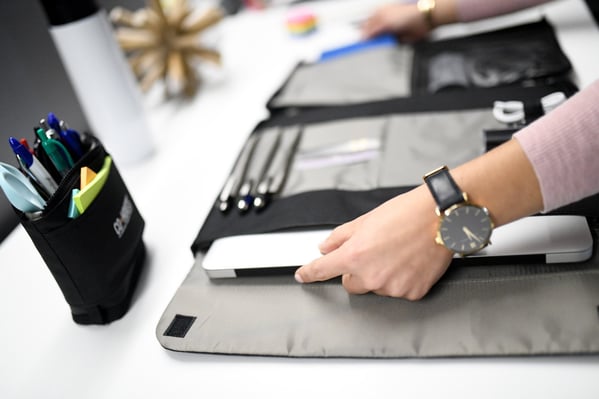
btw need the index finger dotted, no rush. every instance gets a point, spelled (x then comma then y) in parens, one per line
(324, 268)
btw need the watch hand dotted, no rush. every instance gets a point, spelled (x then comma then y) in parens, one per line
(470, 234)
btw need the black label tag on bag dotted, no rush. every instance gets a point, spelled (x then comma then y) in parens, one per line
(179, 326)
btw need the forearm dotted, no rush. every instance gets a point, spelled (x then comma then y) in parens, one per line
(473, 10)
(502, 180)
(450, 11)
(563, 148)
(445, 12)
(550, 163)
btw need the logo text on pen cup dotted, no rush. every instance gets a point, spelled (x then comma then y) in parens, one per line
(122, 220)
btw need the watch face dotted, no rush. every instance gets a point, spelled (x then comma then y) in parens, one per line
(465, 228)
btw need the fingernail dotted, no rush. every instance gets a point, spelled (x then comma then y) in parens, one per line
(298, 278)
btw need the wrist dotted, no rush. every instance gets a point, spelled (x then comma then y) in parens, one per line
(437, 12)
(504, 181)
(427, 9)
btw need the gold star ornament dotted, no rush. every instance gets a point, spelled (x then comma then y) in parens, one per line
(162, 42)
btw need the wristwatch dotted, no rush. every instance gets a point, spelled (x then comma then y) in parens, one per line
(426, 8)
(464, 227)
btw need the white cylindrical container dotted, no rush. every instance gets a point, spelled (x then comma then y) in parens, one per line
(102, 79)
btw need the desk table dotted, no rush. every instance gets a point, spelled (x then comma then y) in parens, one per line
(43, 354)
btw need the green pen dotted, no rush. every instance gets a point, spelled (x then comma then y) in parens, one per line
(56, 151)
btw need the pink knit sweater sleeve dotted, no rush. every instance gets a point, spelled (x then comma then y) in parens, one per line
(563, 148)
(472, 10)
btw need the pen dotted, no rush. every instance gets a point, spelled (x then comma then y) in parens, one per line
(244, 196)
(44, 124)
(232, 185)
(281, 165)
(57, 153)
(34, 166)
(53, 122)
(72, 139)
(261, 193)
(26, 145)
(247, 192)
(69, 137)
(34, 181)
(44, 159)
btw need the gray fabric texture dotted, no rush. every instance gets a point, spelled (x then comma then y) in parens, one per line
(472, 311)
(410, 145)
(374, 74)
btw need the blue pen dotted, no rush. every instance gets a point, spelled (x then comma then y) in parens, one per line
(69, 137)
(53, 122)
(33, 165)
(72, 140)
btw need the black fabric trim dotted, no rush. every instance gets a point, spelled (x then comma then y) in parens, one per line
(498, 260)
(265, 272)
(314, 209)
(468, 261)
(464, 100)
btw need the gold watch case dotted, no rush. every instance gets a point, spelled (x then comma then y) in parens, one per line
(464, 228)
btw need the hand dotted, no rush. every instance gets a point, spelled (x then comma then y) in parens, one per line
(390, 251)
(404, 20)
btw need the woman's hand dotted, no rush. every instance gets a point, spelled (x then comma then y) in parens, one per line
(403, 20)
(390, 251)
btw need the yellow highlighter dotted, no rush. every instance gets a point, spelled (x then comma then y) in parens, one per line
(88, 193)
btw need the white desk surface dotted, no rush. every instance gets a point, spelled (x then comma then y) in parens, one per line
(44, 354)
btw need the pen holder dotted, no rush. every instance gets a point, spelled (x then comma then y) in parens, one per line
(96, 258)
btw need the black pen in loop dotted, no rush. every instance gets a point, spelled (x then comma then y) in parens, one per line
(233, 184)
(279, 168)
(247, 191)
(261, 193)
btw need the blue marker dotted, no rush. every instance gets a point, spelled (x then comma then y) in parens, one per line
(69, 137)
(33, 165)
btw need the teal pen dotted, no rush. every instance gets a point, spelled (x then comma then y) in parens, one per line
(56, 151)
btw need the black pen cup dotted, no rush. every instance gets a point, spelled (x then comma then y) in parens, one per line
(97, 257)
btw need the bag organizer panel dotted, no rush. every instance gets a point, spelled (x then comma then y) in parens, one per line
(342, 163)
(518, 56)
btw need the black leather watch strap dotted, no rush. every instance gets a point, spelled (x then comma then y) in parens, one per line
(444, 189)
